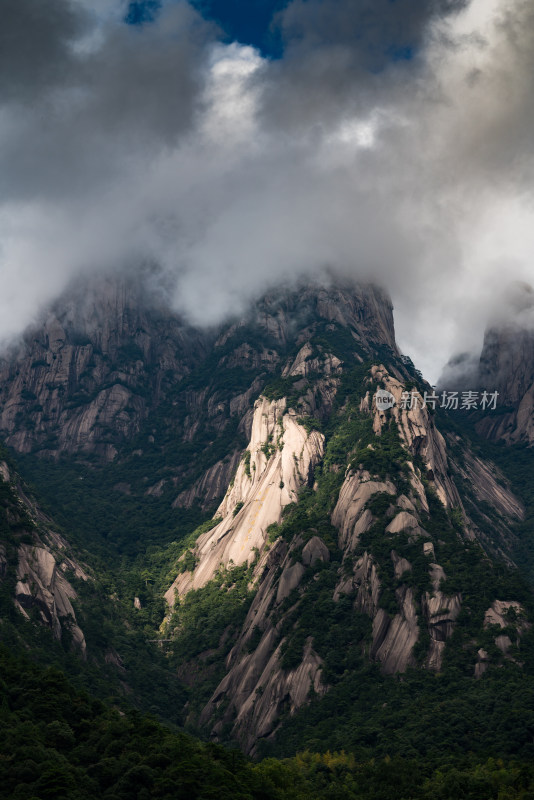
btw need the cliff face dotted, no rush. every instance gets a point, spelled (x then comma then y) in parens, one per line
(279, 460)
(112, 375)
(83, 381)
(507, 366)
(395, 634)
(353, 526)
(35, 562)
(386, 531)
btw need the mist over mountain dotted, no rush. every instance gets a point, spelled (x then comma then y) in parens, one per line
(503, 365)
(247, 548)
(221, 526)
(379, 143)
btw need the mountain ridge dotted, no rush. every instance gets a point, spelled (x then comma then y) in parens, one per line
(336, 539)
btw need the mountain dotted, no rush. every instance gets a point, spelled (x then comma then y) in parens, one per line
(505, 365)
(363, 522)
(287, 562)
(35, 562)
(504, 434)
(114, 375)
(108, 356)
(78, 383)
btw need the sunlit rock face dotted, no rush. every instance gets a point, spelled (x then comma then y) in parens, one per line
(258, 687)
(279, 460)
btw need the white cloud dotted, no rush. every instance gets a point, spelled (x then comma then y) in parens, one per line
(163, 146)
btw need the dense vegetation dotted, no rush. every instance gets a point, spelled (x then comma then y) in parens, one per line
(448, 719)
(57, 743)
(102, 520)
(517, 465)
(421, 736)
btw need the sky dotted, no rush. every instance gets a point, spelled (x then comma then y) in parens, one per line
(239, 145)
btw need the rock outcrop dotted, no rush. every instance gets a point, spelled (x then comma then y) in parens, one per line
(257, 687)
(419, 434)
(351, 517)
(86, 379)
(441, 612)
(42, 562)
(259, 684)
(394, 638)
(209, 488)
(507, 615)
(41, 584)
(506, 366)
(279, 460)
(394, 635)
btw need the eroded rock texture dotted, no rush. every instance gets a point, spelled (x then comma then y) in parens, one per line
(266, 385)
(42, 562)
(259, 686)
(280, 458)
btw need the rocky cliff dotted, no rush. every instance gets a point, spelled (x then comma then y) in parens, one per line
(373, 536)
(84, 380)
(110, 352)
(506, 366)
(112, 375)
(363, 536)
(280, 459)
(36, 562)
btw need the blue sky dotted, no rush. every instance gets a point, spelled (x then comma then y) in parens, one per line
(381, 31)
(245, 21)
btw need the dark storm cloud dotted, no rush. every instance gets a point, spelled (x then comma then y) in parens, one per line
(36, 41)
(78, 111)
(390, 142)
(375, 31)
(149, 78)
(343, 56)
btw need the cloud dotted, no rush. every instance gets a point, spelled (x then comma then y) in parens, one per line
(389, 143)
(376, 31)
(36, 46)
(130, 89)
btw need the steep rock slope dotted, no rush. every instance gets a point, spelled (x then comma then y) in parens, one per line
(507, 366)
(84, 380)
(35, 562)
(109, 352)
(119, 392)
(379, 536)
(279, 460)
